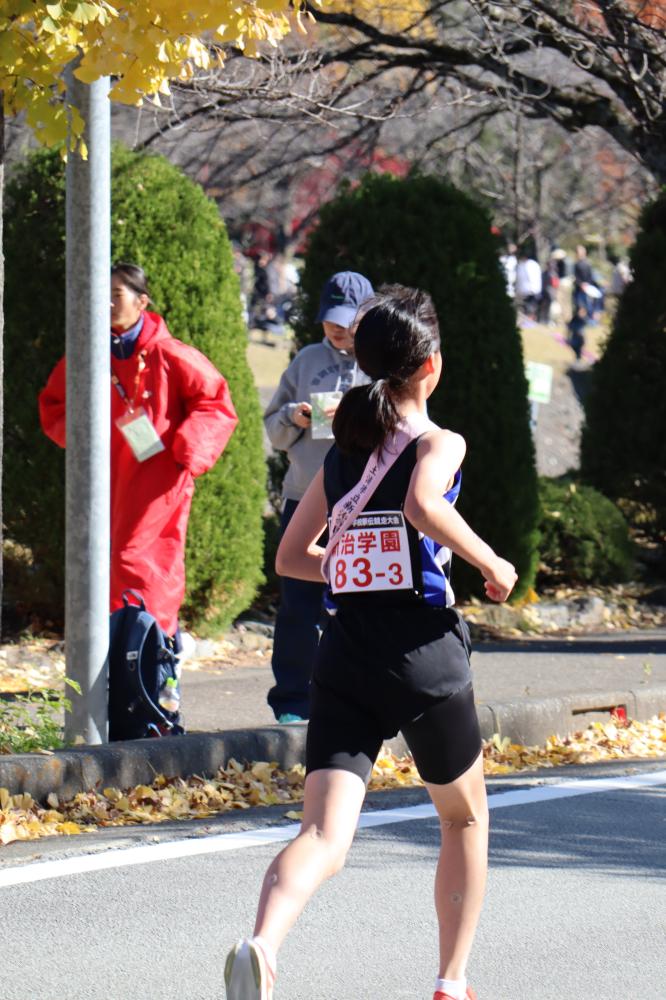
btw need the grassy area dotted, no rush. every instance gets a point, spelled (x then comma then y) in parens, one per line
(267, 361)
(545, 344)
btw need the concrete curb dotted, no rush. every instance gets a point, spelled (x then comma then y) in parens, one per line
(124, 764)
(136, 762)
(533, 720)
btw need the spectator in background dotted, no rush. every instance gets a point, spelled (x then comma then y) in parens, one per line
(550, 282)
(620, 277)
(582, 266)
(583, 280)
(528, 284)
(286, 285)
(509, 263)
(262, 280)
(171, 419)
(596, 293)
(560, 257)
(245, 271)
(297, 421)
(576, 326)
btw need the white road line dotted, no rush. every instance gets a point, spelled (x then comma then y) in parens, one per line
(37, 871)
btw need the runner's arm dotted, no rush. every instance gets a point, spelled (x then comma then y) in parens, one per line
(298, 554)
(439, 457)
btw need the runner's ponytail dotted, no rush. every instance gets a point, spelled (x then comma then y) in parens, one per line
(365, 417)
(394, 337)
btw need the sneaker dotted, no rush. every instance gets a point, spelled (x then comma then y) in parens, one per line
(287, 718)
(246, 973)
(469, 995)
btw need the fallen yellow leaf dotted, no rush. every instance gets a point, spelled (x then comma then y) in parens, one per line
(68, 828)
(240, 786)
(8, 833)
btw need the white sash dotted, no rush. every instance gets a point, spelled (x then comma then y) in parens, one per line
(354, 502)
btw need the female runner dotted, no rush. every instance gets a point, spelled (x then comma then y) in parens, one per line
(395, 655)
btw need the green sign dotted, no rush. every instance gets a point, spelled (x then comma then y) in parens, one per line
(540, 379)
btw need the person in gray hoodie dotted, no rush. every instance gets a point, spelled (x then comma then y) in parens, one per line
(297, 421)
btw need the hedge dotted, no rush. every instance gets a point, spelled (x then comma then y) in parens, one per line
(623, 450)
(423, 232)
(584, 537)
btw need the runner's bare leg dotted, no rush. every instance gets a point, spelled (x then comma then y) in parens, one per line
(463, 864)
(333, 800)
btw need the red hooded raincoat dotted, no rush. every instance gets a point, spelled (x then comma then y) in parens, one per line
(190, 407)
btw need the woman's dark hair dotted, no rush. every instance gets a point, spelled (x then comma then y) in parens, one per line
(132, 276)
(395, 336)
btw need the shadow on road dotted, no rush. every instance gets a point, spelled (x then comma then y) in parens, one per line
(611, 644)
(585, 832)
(581, 380)
(618, 832)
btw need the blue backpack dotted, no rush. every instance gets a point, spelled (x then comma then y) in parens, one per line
(141, 659)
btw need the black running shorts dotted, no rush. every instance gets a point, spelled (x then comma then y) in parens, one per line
(380, 673)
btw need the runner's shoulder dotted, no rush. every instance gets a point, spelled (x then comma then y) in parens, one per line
(440, 440)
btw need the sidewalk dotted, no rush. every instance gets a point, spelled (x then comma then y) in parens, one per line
(526, 689)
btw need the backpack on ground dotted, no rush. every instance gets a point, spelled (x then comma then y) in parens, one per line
(141, 661)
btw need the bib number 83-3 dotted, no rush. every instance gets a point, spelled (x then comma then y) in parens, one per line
(363, 576)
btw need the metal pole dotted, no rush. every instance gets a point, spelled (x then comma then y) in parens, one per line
(88, 415)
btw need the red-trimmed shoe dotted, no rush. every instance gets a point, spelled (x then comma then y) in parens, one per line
(470, 995)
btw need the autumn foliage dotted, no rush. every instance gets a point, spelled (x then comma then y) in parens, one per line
(142, 44)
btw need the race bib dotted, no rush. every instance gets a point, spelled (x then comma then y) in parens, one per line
(140, 434)
(373, 554)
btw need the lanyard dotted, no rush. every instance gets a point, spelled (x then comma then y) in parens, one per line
(120, 388)
(353, 503)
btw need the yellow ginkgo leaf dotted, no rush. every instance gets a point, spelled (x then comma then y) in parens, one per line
(69, 828)
(8, 833)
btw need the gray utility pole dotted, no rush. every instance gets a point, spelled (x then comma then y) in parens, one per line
(88, 415)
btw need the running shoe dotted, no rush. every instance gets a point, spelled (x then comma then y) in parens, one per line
(469, 995)
(287, 718)
(246, 973)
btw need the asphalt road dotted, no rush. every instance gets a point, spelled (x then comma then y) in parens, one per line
(576, 906)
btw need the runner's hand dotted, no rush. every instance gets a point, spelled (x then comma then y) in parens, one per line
(500, 580)
(302, 415)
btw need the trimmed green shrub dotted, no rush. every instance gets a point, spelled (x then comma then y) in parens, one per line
(424, 233)
(164, 222)
(584, 537)
(623, 450)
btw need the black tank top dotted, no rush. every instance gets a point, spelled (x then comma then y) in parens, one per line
(341, 473)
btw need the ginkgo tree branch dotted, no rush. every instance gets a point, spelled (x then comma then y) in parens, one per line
(581, 63)
(141, 44)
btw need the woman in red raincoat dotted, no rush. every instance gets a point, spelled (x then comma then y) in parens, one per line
(171, 418)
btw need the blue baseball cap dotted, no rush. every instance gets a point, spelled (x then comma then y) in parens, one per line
(341, 297)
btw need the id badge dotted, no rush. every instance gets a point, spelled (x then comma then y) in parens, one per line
(140, 434)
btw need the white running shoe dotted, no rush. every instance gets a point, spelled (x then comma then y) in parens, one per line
(246, 973)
